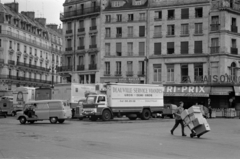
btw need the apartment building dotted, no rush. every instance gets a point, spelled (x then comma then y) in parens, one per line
(124, 38)
(81, 30)
(194, 50)
(30, 50)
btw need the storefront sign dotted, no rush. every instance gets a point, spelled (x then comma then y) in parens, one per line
(197, 91)
(129, 80)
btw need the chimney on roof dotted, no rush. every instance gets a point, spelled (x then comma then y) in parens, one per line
(53, 26)
(41, 21)
(12, 6)
(29, 14)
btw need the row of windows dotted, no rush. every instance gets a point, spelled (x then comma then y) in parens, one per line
(82, 24)
(158, 15)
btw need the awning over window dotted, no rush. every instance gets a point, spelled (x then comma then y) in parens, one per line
(187, 91)
(221, 90)
(237, 90)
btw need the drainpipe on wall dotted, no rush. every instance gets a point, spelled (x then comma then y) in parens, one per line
(147, 44)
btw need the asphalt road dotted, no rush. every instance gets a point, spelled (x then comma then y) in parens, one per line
(118, 139)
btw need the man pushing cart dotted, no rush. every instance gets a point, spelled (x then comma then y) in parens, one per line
(194, 120)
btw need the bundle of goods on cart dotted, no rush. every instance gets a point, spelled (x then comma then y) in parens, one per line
(194, 120)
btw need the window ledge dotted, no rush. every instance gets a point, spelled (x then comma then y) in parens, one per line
(198, 34)
(184, 35)
(170, 36)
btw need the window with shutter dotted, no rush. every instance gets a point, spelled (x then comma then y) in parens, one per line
(141, 48)
(157, 49)
(185, 13)
(170, 73)
(198, 47)
(141, 31)
(170, 47)
(157, 72)
(184, 47)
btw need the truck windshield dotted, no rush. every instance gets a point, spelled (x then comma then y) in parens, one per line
(91, 99)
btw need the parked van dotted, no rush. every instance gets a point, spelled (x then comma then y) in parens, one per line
(169, 110)
(52, 110)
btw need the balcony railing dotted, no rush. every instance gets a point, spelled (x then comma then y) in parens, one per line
(80, 67)
(129, 73)
(118, 35)
(80, 12)
(234, 50)
(106, 73)
(1, 60)
(118, 73)
(92, 66)
(93, 46)
(214, 49)
(198, 79)
(30, 66)
(157, 34)
(81, 47)
(64, 68)
(25, 79)
(69, 49)
(93, 28)
(68, 31)
(81, 30)
(234, 28)
(11, 62)
(185, 79)
(215, 27)
(141, 73)
(19, 37)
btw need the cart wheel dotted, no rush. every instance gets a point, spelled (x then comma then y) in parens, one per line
(191, 135)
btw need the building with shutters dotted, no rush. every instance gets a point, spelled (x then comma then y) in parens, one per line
(81, 32)
(30, 50)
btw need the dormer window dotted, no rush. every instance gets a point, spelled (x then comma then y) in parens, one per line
(117, 3)
(137, 3)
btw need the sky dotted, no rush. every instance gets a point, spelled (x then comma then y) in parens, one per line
(49, 9)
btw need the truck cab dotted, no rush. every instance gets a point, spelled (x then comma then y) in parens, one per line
(94, 106)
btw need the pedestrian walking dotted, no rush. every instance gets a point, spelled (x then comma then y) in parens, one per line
(178, 119)
(209, 108)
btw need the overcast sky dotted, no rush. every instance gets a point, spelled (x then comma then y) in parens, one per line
(49, 9)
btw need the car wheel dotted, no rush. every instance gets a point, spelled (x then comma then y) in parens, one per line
(146, 114)
(61, 121)
(106, 115)
(81, 118)
(22, 120)
(53, 120)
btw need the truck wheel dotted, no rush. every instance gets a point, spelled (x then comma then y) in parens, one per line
(81, 118)
(61, 121)
(93, 118)
(53, 120)
(22, 120)
(146, 114)
(13, 113)
(106, 115)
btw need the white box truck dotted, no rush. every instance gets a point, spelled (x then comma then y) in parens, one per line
(21, 96)
(131, 100)
(74, 93)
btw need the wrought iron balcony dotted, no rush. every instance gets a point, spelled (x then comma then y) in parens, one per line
(64, 68)
(81, 30)
(80, 67)
(118, 73)
(198, 79)
(106, 73)
(185, 79)
(214, 49)
(129, 73)
(93, 46)
(68, 31)
(215, 27)
(93, 28)
(11, 62)
(92, 66)
(81, 47)
(80, 12)
(69, 49)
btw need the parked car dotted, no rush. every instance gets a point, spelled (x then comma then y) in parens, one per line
(169, 110)
(2, 113)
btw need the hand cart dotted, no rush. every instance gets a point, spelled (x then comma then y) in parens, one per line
(193, 132)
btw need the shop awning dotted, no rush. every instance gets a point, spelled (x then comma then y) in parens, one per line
(237, 90)
(187, 91)
(221, 90)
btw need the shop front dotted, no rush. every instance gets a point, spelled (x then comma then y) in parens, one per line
(190, 95)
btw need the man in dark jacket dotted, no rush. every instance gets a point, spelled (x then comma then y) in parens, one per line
(178, 119)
